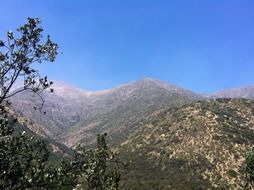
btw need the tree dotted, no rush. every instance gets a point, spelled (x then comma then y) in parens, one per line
(248, 169)
(24, 159)
(17, 56)
(22, 162)
(100, 167)
(21, 156)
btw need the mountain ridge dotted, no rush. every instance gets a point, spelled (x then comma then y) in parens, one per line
(74, 115)
(236, 92)
(77, 107)
(61, 87)
(149, 79)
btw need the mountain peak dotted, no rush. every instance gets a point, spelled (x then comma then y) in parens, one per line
(240, 92)
(62, 88)
(148, 79)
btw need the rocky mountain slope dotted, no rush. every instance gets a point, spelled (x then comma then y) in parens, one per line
(21, 123)
(73, 115)
(197, 146)
(63, 108)
(118, 110)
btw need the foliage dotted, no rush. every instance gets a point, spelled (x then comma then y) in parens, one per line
(17, 56)
(24, 159)
(99, 166)
(248, 168)
(24, 163)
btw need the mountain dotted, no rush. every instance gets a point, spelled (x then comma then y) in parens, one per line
(196, 146)
(63, 108)
(241, 92)
(167, 137)
(73, 115)
(118, 110)
(21, 123)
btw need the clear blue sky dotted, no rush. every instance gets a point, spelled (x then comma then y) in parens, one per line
(202, 45)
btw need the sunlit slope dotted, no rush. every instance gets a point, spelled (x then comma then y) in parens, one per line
(198, 146)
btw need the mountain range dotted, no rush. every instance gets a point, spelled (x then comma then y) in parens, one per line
(188, 139)
(73, 115)
(240, 92)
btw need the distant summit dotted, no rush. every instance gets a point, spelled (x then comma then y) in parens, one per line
(241, 92)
